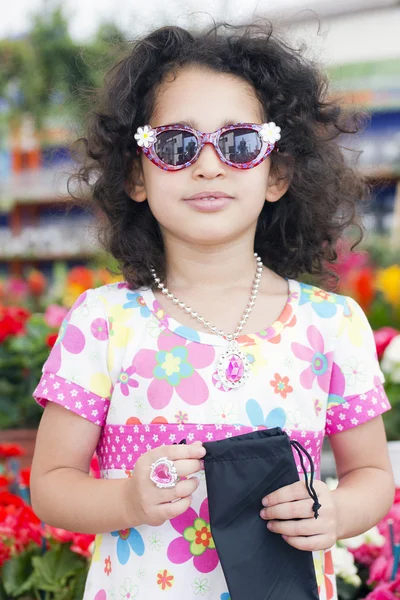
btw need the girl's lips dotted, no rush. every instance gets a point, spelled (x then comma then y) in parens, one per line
(209, 204)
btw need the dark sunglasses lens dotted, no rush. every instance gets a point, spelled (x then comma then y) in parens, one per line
(176, 147)
(240, 145)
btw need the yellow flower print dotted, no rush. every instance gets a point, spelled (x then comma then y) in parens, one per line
(100, 384)
(256, 357)
(352, 325)
(318, 557)
(120, 329)
(317, 295)
(171, 364)
(97, 547)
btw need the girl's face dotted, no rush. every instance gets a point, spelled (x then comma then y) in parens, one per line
(208, 100)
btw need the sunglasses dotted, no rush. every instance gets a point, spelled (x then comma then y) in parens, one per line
(175, 147)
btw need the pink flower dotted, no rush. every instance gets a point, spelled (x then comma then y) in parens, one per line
(380, 570)
(386, 591)
(196, 541)
(55, 315)
(124, 379)
(366, 554)
(99, 329)
(70, 337)
(320, 363)
(175, 367)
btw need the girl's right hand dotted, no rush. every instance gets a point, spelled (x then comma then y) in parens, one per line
(149, 505)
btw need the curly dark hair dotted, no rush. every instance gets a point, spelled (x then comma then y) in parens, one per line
(295, 236)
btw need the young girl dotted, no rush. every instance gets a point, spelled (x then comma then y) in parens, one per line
(213, 157)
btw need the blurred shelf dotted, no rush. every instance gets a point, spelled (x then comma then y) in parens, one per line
(48, 257)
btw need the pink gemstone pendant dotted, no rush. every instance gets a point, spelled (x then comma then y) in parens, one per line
(163, 473)
(233, 367)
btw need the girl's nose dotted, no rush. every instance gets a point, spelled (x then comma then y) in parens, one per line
(208, 164)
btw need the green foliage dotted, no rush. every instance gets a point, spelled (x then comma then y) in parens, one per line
(47, 70)
(391, 418)
(58, 574)
(21, 361)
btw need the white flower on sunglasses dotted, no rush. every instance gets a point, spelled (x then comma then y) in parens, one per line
(145, 136)
(270, 133)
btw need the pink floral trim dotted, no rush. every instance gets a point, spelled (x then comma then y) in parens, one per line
(72, 397)
(120, 446)
(356, 410)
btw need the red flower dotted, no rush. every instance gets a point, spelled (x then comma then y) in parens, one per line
(6, 499)
(25, 475)
(281, 385)
(364, 287)
(81, 276)
(203, 537)
(82, 544)
(37, 282)
(12, 321)
(164, 579)
(51, 339)
(383, 337)
(4, 481)
(107, 566)
(59, 535)
(10, 451)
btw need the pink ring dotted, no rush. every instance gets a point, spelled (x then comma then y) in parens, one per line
(163, 473)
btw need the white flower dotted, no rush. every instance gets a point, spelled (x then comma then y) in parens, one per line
(344, 565)
(270, 133)
(200, 586)
(225, 412)
(391, 360)
(128, 590)
(371, 537)
(156, 542)
(354, 371)
(145, 136)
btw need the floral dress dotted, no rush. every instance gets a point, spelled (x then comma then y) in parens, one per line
(122, 363)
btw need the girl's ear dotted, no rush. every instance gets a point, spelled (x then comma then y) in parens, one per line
(278, 184)
(135, 186)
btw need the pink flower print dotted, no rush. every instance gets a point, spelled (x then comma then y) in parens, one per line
(320, 363)
(71, 339)
(196, 540)
(125, 381)
(174, 367)
(181, 417)
(317, 406)
(99, 329)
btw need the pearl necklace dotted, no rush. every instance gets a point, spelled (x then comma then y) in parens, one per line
(233, 366)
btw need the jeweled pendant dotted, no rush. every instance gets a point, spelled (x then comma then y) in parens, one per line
(233, 367)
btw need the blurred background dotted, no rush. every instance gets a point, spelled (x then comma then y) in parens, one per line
(51, 56)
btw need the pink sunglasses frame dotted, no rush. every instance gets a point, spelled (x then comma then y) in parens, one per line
(209, 138)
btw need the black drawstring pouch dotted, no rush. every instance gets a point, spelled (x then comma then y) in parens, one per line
(257, 563)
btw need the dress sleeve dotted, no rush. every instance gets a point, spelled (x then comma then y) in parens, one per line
(76, 373)
(356, 392)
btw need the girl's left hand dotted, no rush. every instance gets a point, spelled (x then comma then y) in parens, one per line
(293, 502)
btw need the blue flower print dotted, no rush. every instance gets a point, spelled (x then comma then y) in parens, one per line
(135, 300)
(128, 539)
(225, 596)
(275, 418)
(323, 303)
